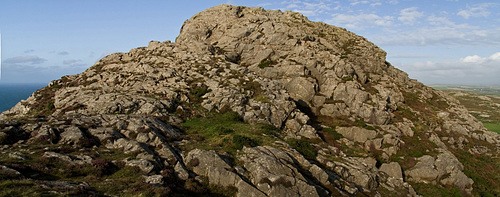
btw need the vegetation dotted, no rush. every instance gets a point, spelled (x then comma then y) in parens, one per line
(304, 147)
(45, 101)
(106, 175)
(362, 124)
(493, 126)
(227, 132)
(258, 93)
(483, 170)
(265, 63)
(486, 108)
(197, 92)
(348, 47)
(38, 168)
(481, 90)
(329, 133)
(432, 190)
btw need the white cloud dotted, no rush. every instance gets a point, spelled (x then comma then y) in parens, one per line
(37, 74)
(439, 21)
(495, 57)
(478, 59)
(63, 53)
(264, 4)
(479, 10)
(474, 70)
(356, 2)
(291, 6)
(360, 21)
(24, 60)
(439, 30)
(472, 59)
(70, 61)
(310, 8)
(410, 15)
(372, 3)
(393, 2)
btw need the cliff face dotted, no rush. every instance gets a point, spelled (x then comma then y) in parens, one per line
(263, 102)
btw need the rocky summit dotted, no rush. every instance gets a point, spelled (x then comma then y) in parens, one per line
(246, 102)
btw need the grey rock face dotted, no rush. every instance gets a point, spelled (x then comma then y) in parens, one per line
(71, 135)
(154, 180)
(392, 169)
(145, 165)
(9, 173)
(274, 172)
(357, 134)
(445, 168)
(211, 165)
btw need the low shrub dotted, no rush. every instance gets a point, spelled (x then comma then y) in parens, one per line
(304, 147)
(239, 141)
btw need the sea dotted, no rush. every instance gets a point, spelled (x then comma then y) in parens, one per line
(12, 93)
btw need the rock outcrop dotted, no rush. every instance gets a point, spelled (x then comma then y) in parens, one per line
(344, 120)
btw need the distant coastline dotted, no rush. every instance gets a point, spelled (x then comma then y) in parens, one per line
(12, 93)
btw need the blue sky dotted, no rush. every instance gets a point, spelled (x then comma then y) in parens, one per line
(434, 41)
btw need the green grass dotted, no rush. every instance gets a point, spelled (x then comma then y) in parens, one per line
(482, 90)
(304, 147)
(485, 108)
(495, 127)
(362, 124)
(483, 170)
(227, 132)
(266, 63)
(39, 168)
(433, 190)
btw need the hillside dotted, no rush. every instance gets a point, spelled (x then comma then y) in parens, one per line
(246, 102)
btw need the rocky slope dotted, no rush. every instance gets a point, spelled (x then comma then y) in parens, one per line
(247, 102)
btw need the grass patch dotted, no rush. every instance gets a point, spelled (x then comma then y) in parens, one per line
(266, 63)
(347, 78)
(495, 127)
(227, 132)
(403, 112)
(483, 170)
(261, 98)
(330, 135)
(362, 124)
(44, 104)
(335, 134)
(304, 147)
(486, 108)
(197, 92)
(414, 147)
(342, 121)
(348, 47)
(433, 190)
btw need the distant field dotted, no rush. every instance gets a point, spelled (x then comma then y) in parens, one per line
(483, 102)
(482, 90)
(493, 126)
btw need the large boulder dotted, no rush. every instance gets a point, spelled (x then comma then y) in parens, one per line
(218, 171)
(392, 169)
